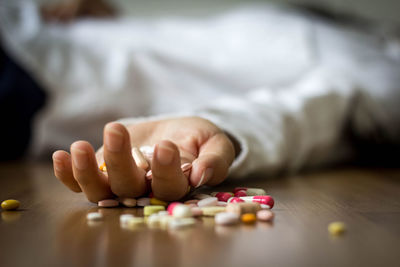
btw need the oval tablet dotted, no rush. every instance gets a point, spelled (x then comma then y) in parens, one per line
(10, 204)
(207, 202)
(128, 202)
(265, 215)
(143, 201)
(249, 218)
(108, 203)
(226, 218)
(182, 211)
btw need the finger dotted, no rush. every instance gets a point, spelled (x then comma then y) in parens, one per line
(126, 179)
(212, 165)
(169, 182)
(63, 170)
(86, 172)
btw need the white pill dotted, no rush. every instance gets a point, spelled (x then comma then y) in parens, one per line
(178, 223)
(163, 213)
(265, 207)
(153, 220)
(147, 151)
(182, 211)
(143, 201)
(124, 218)
(226, 218)
(139, 158)
(94, 216)
(164, 220)
(128, 202)
(206, 202)
(222, 203)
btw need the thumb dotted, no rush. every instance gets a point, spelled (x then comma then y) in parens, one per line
(212, 165)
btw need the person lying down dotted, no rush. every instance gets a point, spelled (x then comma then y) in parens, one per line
(256, 89)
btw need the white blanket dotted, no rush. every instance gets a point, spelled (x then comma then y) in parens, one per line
(284, 84)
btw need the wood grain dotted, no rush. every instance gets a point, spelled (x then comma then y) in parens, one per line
(51, 229)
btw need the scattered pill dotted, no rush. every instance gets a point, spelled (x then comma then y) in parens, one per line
(103, 167)
(153, 220)
(164, 220)
(206, 202)
(143, 201)
(10, 204)
(240, 193)
(108, 203)
(223, 196)
(171, 207)
(182, 211)
(148, 210)
(196, 211)
(235, 200)
(336, 228)
(222, 203)
(135, 222)
(201, 196)
(124, 218)
(140, 160)
(191, 201)
(178, 223)
(211, 211)
(265, 207)
(251, 191)
(163, 213)
(265, 215)
(226, 218)
(94, 216)
(128, 202)
(147, 151)
(248, 218)
(242, 208)
(267, 200)
(155, 201)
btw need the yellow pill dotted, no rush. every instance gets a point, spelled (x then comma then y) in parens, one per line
(148, 210)
(249, 218)
(155, 201)
(336, 228)
(212, 210)
(10, 204)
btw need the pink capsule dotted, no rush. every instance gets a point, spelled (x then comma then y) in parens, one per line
(240, 193)
(223, 196)
(235, 200)
(267, 200)
(171, 207)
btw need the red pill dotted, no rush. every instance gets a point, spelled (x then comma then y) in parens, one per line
(235, 200)
(267, 200)
(223, 196)
(240, 193)
(239, 189)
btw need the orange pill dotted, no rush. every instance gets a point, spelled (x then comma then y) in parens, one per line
(103, 167)
(249, 218)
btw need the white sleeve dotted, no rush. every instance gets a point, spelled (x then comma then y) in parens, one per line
(304, 125)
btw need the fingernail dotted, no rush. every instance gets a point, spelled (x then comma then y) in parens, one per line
(113, 139)
(164, 155)
(205, 177)
(79, 158)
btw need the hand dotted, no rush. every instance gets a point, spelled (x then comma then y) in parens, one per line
(176, 141)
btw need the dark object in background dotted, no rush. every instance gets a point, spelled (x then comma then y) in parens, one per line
(20, 98)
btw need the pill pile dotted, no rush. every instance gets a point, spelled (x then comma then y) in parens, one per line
(243, 205)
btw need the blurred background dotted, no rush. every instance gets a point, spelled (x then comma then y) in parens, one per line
(49, 70)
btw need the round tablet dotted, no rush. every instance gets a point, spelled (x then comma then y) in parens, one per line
(226, 218)
(265, 215)
(211, 201)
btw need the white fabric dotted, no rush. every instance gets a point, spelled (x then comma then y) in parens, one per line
(283, 84)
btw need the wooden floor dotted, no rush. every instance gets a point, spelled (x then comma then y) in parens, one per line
(51, 229)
